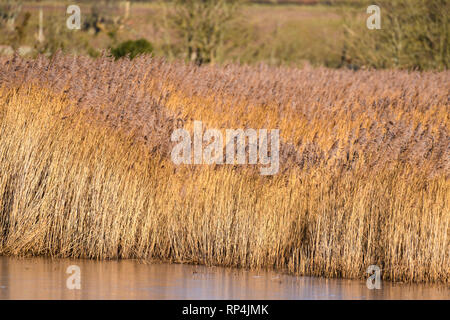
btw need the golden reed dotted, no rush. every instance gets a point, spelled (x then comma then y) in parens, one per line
(85, 168)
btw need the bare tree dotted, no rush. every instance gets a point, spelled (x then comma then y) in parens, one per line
(201, 25)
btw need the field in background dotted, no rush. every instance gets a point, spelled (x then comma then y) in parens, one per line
(264, 32)
(413, 35)
(86, 170)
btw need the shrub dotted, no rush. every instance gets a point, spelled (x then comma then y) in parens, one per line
(202, 26)
(132, 48)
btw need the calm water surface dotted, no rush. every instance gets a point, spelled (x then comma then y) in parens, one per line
(42, 278)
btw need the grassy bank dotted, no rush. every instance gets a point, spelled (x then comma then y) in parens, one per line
(86, 170)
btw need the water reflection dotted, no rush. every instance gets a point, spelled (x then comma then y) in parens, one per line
(40, 278)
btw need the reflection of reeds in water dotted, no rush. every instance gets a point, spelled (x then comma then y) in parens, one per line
(85, 167)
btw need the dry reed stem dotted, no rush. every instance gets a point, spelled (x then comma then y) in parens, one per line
(85, 171)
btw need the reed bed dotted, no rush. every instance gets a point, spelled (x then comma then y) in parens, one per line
(365, 161)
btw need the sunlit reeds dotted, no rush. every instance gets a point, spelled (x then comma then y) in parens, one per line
(86, 171)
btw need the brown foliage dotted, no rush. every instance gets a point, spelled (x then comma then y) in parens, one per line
(85, 172)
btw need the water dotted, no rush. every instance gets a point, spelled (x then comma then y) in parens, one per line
(42, 278)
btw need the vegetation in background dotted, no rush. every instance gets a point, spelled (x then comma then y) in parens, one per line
(13, 25)
(201, 27)
(104, 15)
(132, 49)
(364, 166)
(414, 35)
(57, 37)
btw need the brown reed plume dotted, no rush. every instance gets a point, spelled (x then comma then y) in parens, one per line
(86, 170)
